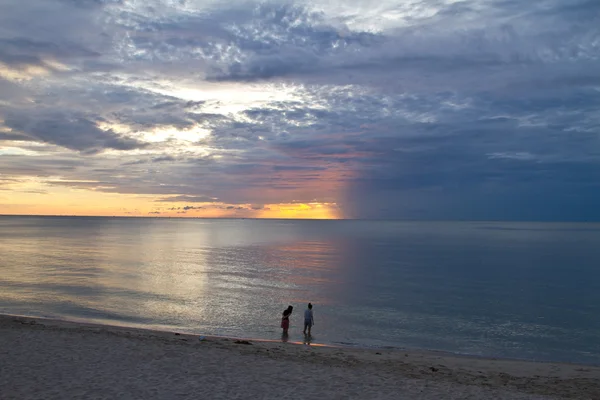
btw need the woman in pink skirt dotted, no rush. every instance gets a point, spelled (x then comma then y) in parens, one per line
(285, 319)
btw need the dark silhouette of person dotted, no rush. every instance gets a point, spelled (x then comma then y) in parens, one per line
(309, 321)
(285, 319)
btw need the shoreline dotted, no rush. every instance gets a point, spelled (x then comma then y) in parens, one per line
(445, 374)
(82, 323)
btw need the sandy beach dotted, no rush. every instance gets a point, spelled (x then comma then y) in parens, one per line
(49, 359)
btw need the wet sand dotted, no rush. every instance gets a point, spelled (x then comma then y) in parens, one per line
(50, 359)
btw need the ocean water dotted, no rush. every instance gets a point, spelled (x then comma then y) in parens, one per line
(515, 290)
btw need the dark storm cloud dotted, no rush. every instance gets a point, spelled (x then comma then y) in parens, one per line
(461, 176)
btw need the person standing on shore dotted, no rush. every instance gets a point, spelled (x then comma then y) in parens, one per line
(309, 320)
(285, 319)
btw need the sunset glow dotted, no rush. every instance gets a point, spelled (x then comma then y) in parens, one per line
(399, 110)
(27, 198)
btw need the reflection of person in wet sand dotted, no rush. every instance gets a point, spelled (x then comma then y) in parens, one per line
(308, 319)
(285, 319)
(307, 340)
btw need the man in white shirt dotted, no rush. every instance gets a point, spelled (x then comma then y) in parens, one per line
(308, 319)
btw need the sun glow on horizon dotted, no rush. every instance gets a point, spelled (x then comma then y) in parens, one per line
(31, 198)
(312, 210)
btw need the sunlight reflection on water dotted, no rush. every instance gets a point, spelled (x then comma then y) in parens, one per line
(514, 290)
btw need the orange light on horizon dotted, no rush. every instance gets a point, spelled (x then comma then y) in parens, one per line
(87, 203)
(35, 197)
(301, 211)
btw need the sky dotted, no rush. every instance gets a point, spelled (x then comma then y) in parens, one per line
(416, 109)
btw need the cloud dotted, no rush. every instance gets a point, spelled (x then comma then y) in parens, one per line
(75, 132)
(41, 166)
(186, 208)
(424, 109)
(62, 33)
(296, 168)
(295, 43)
(188, 199)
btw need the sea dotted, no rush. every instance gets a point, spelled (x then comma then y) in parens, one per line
(515, 290)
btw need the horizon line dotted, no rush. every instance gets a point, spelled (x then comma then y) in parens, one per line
(296, 219)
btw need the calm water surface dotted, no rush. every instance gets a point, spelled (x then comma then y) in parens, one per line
(519, 290)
